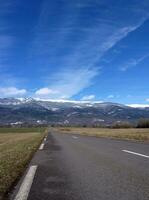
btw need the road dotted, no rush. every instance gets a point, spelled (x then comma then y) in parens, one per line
(74, 167)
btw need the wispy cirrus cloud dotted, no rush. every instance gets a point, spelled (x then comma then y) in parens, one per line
(67, 41)
(75, 44)
(111, 96)
(7, 40)
(100, 36)
(88, 97)
(91, 40)
(134, 62)
(68, 83)
(9, 81)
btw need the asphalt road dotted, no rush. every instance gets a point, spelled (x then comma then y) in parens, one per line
(87, 168)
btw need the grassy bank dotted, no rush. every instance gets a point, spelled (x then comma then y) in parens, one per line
(22, 130)
(17, 146)
(127, 134)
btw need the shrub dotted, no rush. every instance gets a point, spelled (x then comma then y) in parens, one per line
(143, 123)
(122, 125)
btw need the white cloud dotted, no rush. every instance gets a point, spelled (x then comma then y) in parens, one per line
(97, 40)
(89, 97)
(68, 83)
(45, 92)
(147, 100)
(118, 35)
(12, 91)
(133, 62)
(138, 105)
(110, 96)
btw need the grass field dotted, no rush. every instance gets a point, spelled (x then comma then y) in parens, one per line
(17, 146)
(127, 134)
(22, 130)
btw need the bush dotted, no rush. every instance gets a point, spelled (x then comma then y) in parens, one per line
(143, 123)
(122, 125)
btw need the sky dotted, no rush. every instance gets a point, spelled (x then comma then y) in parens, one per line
(90, 50)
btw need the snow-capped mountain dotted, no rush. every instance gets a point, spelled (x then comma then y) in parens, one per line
(37, 111)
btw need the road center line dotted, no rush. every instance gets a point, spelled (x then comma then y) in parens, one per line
(26, 185)
(74, 137)
(138, 154)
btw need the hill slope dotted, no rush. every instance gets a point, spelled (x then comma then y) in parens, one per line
(17, 111)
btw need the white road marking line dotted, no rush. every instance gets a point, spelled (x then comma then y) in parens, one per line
(41, 146)
(138, 154)
(74, 137)
(26, 185)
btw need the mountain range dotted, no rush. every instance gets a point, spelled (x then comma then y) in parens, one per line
(35, 111)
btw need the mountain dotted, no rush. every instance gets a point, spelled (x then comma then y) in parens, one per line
(35, 111)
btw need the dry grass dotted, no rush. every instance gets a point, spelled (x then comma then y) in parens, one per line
(127, 134)
(16, 149)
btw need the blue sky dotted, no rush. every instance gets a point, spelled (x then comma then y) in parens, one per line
(79, 50)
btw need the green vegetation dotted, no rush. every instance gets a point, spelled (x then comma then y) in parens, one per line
(126, 134)
(122, 125)
(143, 123)
(17, 146)
(22, 130)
